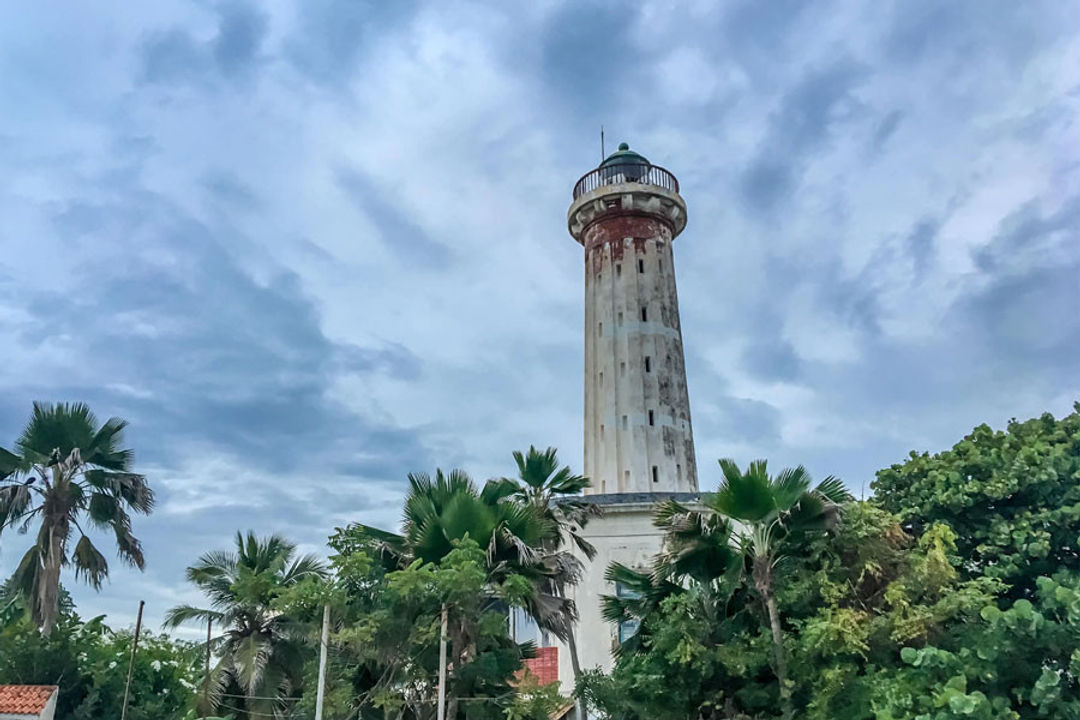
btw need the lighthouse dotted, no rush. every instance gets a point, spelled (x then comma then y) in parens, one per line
(638, 438)
(639, 443)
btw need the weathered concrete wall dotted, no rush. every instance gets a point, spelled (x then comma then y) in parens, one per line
(624, 534)
(638, 434)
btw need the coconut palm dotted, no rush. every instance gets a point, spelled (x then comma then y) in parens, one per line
(770, 516)
(261, 650)
(554, 493)
(69, 474)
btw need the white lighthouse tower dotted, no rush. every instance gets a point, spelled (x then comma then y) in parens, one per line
(626, 214)
(639, 445)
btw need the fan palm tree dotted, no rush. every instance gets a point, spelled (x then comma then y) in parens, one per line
(770, 515)
(442, 511)
(261, 650)
(554, 493)
(66, 470)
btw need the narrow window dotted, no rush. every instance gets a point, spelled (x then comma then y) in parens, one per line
(601, 432)
(648, 364)
(660, 265)
(651, 418)
(620, 318)
(626, 476)
(641, 266)
(655, 474)
(599, 277)
(603, 485)
(644, 314)
(622, 369)
(618, 270)
(601, 379)
(678, 472)
(600, 328)
(624, 423)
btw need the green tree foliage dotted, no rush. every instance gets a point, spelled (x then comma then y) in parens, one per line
(952, 594)
(261, 651)
(1012, 497)
(89, 662)
(68, 474)
(383, 657)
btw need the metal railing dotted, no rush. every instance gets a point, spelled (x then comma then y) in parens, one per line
(626, 173)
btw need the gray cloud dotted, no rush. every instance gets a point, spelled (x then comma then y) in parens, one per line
(882, 253)
(823, 97)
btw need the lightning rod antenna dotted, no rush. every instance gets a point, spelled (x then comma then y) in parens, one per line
(602, 153)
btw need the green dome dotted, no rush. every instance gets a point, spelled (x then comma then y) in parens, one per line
(624, 156)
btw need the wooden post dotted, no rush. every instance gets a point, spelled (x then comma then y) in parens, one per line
(320, 692)
(131, 661)
(441, 711)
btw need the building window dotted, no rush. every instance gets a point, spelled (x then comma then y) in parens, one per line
(620, 317)
(618, 270)
(601, 432)
(651, 418)
(655, 474)
(599, 328)
(648, 364)
(601, 379)
(627, 628)
(622, 369)
(678, 472)
(625, 424)
(626, 477)
(641, 266)
(644, 314)
(660, 265)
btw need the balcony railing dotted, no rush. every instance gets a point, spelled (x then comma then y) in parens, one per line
(626, 173)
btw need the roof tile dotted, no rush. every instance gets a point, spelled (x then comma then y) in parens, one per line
(25, 699)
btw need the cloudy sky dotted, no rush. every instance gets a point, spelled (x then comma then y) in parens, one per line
(308, 247)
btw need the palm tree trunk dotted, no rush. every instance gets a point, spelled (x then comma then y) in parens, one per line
(763, 583)
(48, 590)
(575, 666)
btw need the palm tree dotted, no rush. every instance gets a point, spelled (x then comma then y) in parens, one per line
(770, 515)
(66, 470)
(554, 494)
(261, 650)
(442, 511)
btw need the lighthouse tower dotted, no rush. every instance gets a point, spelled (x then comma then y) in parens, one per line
(639, 445)
(626, 213)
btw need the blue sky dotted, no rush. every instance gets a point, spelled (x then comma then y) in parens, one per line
(306, 248)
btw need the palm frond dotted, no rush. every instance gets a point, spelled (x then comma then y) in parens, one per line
(90, 564)
(14, 503)
(833, 489)
(177, 616)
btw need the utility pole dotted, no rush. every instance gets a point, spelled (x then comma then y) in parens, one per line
(131, 661)
(206, 671)
(442, 667)
(322, 661)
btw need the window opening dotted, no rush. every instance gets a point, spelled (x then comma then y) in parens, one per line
(655, 474)
(651, 418)
(648, 364)
(644, 314)
(641, 266)
(625, 425)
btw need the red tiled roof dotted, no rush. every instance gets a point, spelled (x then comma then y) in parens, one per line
(25, 699)
(545, 666)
